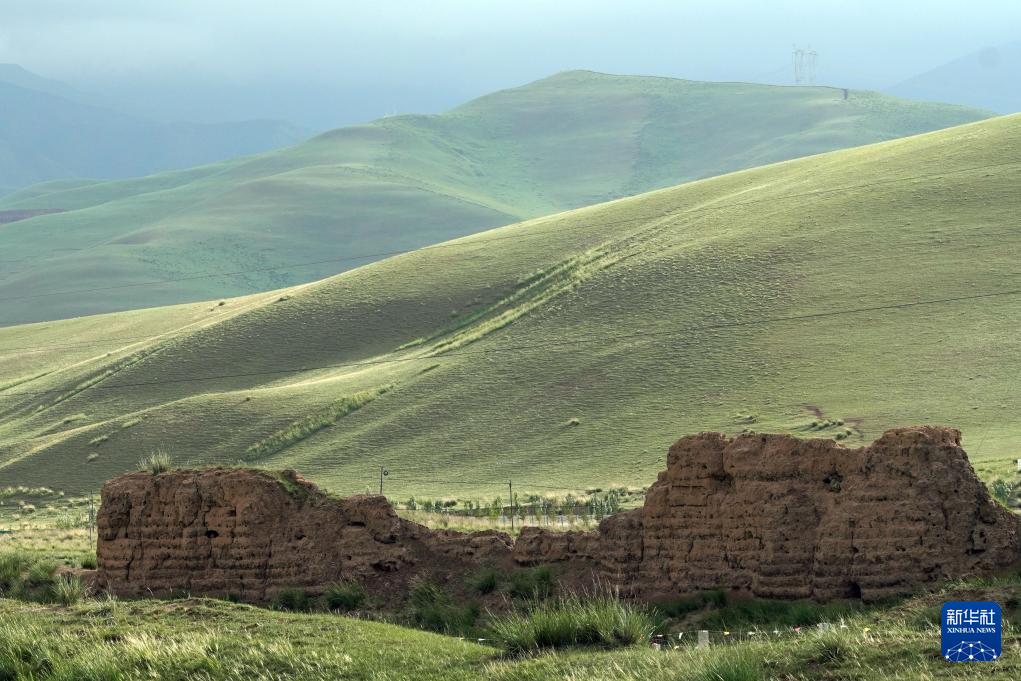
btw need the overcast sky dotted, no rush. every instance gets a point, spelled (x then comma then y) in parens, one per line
(322, 63)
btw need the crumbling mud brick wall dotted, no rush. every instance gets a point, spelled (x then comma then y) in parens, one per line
(779, 517)
(765, 515)
(250, 533)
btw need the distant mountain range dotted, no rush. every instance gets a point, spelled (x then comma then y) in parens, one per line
(352, 195)
(50, 131)
(988, 79)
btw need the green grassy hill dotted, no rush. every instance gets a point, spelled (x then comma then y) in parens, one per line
(403, 182)
(836, 296)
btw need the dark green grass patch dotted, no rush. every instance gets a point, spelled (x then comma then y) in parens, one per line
(574, 621)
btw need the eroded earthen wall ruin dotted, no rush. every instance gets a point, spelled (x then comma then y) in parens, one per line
(767, 515)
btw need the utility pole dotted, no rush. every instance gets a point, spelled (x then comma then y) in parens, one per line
(92, 517)
(510, 491)
(382, 474)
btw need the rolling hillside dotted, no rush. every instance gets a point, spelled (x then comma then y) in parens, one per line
(48, 132)
(343, 198)
(838, 295)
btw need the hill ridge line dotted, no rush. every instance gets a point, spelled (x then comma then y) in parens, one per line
(469, 240)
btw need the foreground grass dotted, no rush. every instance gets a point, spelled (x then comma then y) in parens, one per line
(205, 639)
(215, 640)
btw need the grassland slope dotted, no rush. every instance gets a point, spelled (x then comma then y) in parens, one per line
(840, 295)
(348, 196)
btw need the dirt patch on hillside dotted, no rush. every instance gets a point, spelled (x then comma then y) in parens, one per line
(763, 515)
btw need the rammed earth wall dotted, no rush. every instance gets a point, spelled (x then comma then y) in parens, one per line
(765, 515)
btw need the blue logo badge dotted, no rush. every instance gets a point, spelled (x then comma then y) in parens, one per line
(970, 631)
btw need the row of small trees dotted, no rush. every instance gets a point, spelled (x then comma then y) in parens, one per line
(597, 505)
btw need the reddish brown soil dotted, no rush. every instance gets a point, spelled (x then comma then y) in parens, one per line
(761, 515)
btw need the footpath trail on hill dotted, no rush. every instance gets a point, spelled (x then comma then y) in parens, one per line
(838, 295)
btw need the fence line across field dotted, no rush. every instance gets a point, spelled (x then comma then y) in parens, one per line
(566, 511)
(703, 638)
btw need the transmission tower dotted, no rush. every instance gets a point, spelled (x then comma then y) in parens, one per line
(811, 59)
(805, 62)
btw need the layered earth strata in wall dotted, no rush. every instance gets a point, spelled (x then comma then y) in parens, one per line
(765, 515)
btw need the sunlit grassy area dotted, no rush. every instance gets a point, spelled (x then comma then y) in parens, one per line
(402, 182)
(826, 297)
(47, 527)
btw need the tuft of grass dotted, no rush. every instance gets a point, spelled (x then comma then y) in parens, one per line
(26, 576)
(40, 573)
(12, 567)
(88, 561)
(69, 590)
(156, 463)
(535, 583)
(831, 648)
(293, 599)
(345, 596)
(433, 609)
(289, 481)
(485, 582)
(574, 621)
(731, 663)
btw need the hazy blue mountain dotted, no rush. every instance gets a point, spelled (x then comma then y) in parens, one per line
(988, 79)
(49, 131)
(14, 74)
